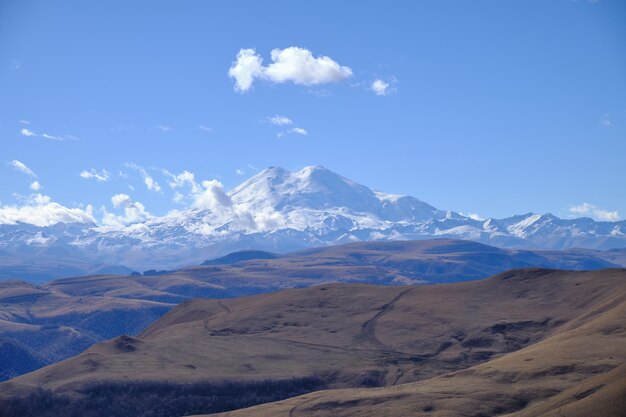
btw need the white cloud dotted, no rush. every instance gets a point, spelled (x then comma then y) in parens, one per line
(212, 196)
(51, 137)
(40, 210)
(182, 179)
(299, 131)
(92, 173)
(30, 133)
(205, 128)
(20, 166)
(293, 64)
(605, 120)
(133, 212)
(163, 128)
(379, 87)
(150, 182)
(245, 69)
(240, 172)
(35, 186)
(119, 200)
(16, 65)
(279, 120)
(474, 216)
(24, 122)
(586, 209)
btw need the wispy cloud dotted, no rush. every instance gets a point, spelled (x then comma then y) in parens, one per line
(101, 176)
(16, 65)
(605, 120)
(299, 131)
(279, 120)
(586, 209)
(29, 133)
(293, 64)
(163, 128)
(20, 166)
(149, 181)
(205, 128)
(240, 172)
(24, 122)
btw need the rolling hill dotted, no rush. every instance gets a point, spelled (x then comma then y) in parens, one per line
(64, 317)
(517, 340)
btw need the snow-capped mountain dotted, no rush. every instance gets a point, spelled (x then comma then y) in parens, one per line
(282, 211)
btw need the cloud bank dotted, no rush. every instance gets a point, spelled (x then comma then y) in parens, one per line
(586, 209)
(40, 210)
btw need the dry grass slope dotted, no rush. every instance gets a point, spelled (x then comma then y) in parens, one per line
(517, 340)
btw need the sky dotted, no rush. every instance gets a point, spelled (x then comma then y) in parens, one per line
(491, 108)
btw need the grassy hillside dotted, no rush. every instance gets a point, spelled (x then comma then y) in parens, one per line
(489, 347)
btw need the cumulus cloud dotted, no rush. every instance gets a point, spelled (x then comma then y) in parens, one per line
(379, 87)
(35, 186)
(382, 87)
(293, 64)
(245, 69)
(279, 120)
(40, 210)
(92, 173)
(133, 212)
(586, 209)
(20, 166)
(212, 196)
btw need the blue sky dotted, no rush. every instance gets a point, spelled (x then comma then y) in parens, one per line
(488, 107)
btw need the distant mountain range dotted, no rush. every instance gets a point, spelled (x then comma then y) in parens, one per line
(278, 211)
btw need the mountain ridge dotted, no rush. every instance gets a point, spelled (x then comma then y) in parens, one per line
(281, 211)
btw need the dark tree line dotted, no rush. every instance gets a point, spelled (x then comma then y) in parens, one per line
(156, 399)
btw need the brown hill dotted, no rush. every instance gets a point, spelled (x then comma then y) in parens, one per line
(64, 317)
(577, 371)
(493, 346)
